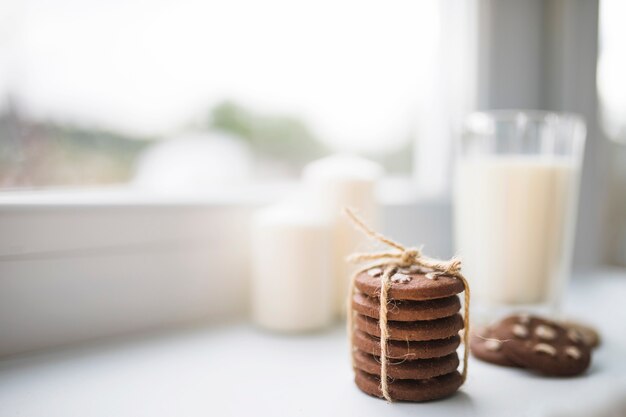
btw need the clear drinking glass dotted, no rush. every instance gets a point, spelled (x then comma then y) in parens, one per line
(515, 200)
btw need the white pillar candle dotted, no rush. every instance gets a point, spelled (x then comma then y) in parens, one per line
(292, 286)
(342, 181)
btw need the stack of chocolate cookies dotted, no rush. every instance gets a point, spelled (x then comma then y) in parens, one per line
(423, 327)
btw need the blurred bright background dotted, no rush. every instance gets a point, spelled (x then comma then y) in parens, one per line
(90, 90)
(96, 92)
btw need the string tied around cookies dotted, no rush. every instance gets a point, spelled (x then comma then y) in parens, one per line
(400, 257)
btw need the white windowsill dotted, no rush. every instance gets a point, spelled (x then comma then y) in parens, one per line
(117, 196)
(239, 370)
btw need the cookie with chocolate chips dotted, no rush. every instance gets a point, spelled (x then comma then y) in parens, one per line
(412, 330)
(589, 335)
(543, 345)
(487, 348)
(397, 349)
(398, 310)
(413, 284)
(407, 369)
(411, 389)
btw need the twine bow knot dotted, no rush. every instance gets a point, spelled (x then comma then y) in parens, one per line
(401, 257)
(409, 256)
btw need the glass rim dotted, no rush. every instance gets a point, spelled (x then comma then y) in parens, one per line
(514, 115)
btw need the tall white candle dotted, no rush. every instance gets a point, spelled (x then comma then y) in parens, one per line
(292, 286)
(336, 182)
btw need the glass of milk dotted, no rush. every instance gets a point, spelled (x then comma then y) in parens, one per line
(515, 200)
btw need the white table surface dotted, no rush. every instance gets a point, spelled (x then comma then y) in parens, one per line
(239, 370)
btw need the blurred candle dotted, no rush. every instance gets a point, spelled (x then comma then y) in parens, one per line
(336, 182)
(292, 288)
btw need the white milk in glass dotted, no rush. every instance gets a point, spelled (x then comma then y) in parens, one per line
(514, 220)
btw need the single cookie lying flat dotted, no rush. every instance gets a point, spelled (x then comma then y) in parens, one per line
(406, 350)
(405, 369)
(414, 330)
(408, 285)
(407, 310)
(411, 389)
(543, 345)
(487, 348)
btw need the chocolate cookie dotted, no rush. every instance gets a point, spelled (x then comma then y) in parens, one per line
(411, 389)
(409, 285)
(543, 345)
(486, 347)
(407, 310)
(405, 369)
(589, 335)
(412, 330)
(406, 350)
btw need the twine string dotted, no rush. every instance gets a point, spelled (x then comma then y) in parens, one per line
(390, 261)
(382, 317)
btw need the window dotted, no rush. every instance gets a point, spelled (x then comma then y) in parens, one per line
(611, 69)
(612, 109)
(169, 92)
